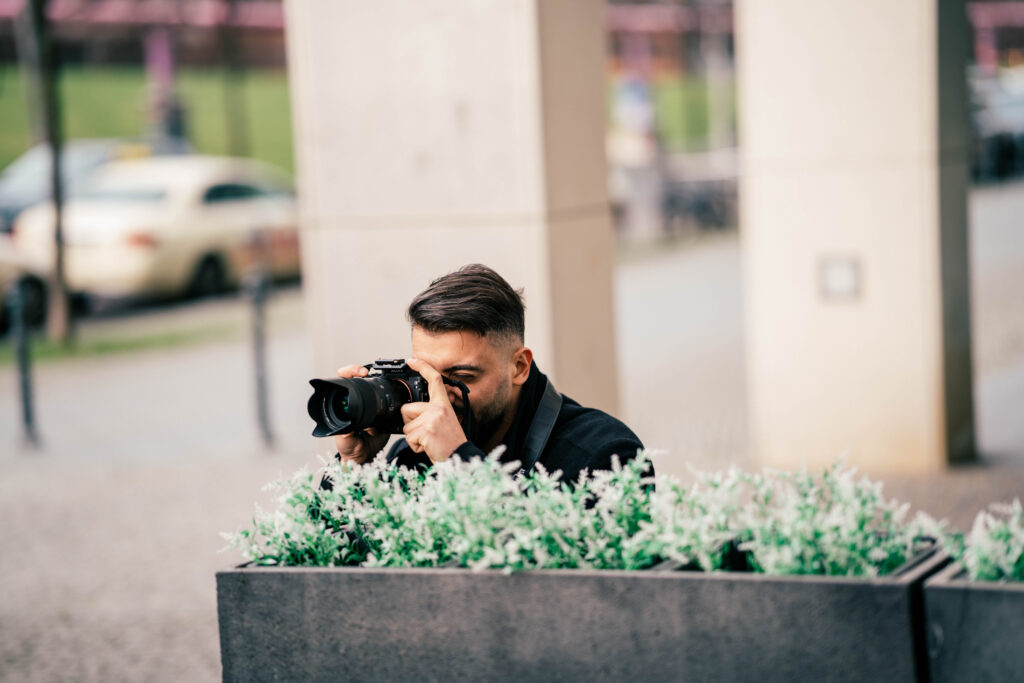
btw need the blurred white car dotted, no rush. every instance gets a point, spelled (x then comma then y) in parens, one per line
(26, 181)
(167, 226)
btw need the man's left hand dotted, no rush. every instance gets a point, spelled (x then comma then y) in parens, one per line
(432, 427)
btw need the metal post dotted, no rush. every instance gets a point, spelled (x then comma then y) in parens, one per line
(60, 324)
(258, 287)
(19, 332)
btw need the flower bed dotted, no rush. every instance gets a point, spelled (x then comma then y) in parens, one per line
(321, 624)
(479, 515)
(425, 577)
(975, 607)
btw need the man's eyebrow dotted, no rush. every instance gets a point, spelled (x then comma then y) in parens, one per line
(463, 368)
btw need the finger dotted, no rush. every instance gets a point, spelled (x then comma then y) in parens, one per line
(353, 371)
(412, 440)
(417, 425)
(435, 385)
(410, 411)
(414, 431)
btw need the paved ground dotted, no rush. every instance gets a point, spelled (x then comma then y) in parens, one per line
(110, 531)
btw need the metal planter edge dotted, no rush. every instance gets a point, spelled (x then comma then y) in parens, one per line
(360, 624)
(975, 629)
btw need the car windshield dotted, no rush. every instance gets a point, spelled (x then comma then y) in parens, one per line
(124, 182)
(30, 173)
(124, 194)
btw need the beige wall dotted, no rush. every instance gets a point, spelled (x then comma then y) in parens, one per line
(850, 146)
(434, 133)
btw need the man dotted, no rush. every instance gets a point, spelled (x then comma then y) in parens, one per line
(469, 326)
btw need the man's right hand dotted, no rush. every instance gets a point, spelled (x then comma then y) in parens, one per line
(359, 447)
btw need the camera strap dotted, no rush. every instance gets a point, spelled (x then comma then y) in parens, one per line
(540, 429)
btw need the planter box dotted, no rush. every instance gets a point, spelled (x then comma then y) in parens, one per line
(454, 624)
(975, 628)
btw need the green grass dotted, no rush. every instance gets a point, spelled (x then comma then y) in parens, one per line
(681, 110)
(111, 102)
(14, 132)
(681, 107)
(44, 350)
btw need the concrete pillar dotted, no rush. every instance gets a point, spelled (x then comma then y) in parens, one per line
(435, 133)
(853, 153)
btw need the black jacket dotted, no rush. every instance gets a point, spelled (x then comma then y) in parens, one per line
(582, 438)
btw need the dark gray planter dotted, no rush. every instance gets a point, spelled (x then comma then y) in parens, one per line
(454, 624)
(975, 629)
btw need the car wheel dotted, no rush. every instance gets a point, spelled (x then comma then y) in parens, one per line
(34, 299)
(210, 277)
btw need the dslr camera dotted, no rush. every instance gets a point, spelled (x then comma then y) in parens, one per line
(347, 405)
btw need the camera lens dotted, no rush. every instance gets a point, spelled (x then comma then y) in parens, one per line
(343, 406)
(336, 404)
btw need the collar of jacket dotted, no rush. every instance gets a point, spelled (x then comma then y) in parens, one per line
(529, 398)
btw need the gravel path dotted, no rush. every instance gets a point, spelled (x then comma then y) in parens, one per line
(110, 530)
(108, 568)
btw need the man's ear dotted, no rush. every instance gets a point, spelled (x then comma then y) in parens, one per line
(522, 358)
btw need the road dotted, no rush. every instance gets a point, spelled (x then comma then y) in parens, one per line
(110, 531)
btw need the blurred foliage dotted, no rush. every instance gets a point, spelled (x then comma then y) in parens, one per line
(111, 102)
(681, 110)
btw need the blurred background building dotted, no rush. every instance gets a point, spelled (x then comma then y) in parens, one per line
(163, 65)
(671, 91)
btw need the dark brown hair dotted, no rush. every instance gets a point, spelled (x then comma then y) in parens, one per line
(473, 298)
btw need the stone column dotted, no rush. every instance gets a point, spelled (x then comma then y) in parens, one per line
(853, 141)
(435, 133)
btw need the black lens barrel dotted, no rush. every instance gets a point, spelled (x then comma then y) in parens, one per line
(346, 405)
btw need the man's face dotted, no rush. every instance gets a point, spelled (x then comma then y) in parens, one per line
(485, 365)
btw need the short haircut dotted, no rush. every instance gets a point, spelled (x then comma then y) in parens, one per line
(474, 298)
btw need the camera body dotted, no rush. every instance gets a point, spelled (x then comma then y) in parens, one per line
(351, 404)
(347, 405)
(396, 369)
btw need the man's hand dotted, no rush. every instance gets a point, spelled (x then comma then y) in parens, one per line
(359, 447)
(432, 427)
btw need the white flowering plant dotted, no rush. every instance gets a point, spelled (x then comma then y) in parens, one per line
(836, 524)
(482, 514)
(993, 550)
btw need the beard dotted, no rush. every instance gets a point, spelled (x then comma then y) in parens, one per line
(488, 418)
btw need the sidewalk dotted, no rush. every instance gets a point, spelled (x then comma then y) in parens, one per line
(135, 406)
(111, 529)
